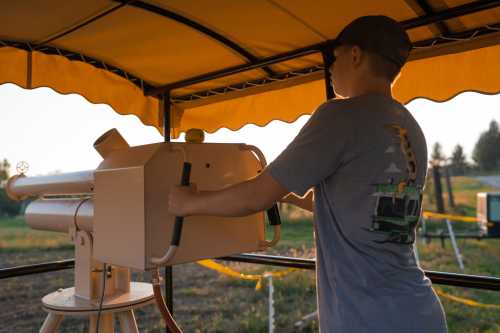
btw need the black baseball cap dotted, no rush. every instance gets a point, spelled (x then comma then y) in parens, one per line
(378, 34)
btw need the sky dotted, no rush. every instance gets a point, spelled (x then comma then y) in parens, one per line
(55, 133)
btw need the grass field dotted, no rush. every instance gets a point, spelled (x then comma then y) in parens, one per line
(208, 302)
(464, 194)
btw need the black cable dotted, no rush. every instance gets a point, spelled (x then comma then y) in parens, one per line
(104, 273)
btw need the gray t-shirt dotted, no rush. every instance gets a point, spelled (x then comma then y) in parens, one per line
(344, 150)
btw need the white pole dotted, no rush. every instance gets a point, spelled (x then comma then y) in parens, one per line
(271, 304)
(454, 244)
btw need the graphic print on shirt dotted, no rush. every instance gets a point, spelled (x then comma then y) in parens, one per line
(397, 209)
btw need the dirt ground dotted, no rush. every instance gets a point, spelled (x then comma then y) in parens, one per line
(204, 301)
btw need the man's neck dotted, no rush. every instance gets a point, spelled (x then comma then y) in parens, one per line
(369, 87)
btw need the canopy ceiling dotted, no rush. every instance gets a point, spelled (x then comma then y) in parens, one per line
(224, 63)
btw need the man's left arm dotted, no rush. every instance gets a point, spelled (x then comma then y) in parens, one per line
(241, 199)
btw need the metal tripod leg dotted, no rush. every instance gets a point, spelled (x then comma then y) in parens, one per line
(127, 322)
(51, 323)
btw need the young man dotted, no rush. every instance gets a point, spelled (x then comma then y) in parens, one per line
(365, 157)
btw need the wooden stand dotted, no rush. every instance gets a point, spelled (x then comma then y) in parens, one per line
(121, 296)
(64, 303)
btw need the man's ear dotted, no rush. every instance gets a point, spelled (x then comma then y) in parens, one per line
(356, 55)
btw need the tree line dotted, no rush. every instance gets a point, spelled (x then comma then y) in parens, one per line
(485, 155)
(8, 208)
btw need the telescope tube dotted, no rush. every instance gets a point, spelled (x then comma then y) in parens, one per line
(60, 214)
(20, 187)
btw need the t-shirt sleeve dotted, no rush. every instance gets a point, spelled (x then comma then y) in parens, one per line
(316, 152)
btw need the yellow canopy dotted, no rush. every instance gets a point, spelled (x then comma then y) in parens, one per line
(224, 63)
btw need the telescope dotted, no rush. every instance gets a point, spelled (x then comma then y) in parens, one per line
(118, 219)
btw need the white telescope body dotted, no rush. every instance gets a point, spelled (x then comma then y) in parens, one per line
(75, 183)
(124, 201)
(60, 214)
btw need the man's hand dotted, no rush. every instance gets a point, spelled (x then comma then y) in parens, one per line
(306, 202)
(180, 198)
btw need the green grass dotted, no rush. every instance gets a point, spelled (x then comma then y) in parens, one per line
(15, 236)
(465, 190)
(294, 234)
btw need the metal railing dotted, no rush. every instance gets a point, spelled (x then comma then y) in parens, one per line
(443, 278)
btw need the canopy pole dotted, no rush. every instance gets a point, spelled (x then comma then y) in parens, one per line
(166, 116)
(441, 25)
(328, 59)
(169, 297)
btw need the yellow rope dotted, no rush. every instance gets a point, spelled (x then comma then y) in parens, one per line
(258, 277)
(449, 217)
(254, 277)
(466, 301)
